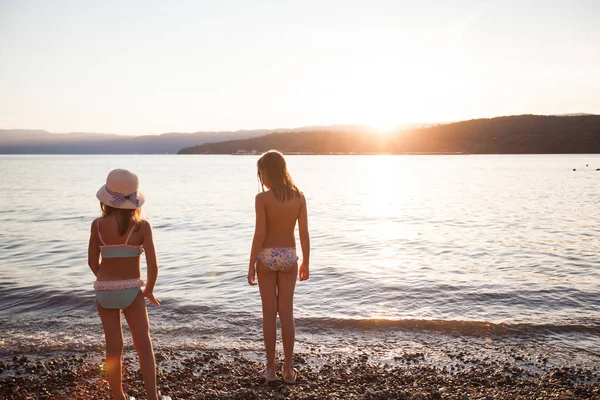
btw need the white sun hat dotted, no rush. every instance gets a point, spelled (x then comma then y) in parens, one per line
(121, 190)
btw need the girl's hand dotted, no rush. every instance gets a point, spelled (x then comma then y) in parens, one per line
(150, 296)
(303, 272)
(252, 275)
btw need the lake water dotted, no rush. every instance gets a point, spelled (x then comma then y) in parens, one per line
(470, 245)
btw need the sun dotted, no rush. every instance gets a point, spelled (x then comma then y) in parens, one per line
(384, 128)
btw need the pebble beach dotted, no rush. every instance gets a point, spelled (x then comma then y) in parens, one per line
(205, 374)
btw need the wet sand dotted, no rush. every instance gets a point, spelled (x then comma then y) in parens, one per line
(185, 374)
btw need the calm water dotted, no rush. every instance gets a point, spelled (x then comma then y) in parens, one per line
(500, 244)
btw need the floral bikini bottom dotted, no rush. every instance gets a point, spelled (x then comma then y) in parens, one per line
(278, 258)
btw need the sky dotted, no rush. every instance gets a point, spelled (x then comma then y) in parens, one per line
(148, 67)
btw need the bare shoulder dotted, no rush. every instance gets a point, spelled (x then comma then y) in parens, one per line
(145, 224)
(145, 227)
(95, 224)
(262, 197)
(302, 198)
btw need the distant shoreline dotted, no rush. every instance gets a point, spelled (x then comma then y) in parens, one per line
(292, 154)
(523, 134)
(303, 153)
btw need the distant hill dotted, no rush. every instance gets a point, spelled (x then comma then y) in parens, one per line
(22, 141)
(573, 133)
(42, 142)
(522, 134)
(572, 115)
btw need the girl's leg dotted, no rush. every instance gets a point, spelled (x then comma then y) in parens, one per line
(286, 283)
(267, 285)
(137, 319)
(111, 322)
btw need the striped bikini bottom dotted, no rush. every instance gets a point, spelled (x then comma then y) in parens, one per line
(117, 294)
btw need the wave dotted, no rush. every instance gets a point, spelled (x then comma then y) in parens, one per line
(243, 323)
(41, 300)
(475, 328)
(192, 331)
(45, 305)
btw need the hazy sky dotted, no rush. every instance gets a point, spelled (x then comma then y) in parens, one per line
(144, 66)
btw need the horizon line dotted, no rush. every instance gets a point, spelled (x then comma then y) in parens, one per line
(358, 125)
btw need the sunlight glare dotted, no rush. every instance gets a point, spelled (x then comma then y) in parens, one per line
(384, 128)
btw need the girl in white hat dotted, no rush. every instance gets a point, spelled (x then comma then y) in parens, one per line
(117, 240)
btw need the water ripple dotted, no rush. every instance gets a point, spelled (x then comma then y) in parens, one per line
(507, 242)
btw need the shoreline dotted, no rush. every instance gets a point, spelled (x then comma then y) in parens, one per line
(301, 153)
(234, 374)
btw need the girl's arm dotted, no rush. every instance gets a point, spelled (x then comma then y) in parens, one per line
(304, 241)
(151, 263)
(94, 250)
(260, 232)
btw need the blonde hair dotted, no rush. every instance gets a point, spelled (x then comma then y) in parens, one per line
(124, 217)
(273, 173)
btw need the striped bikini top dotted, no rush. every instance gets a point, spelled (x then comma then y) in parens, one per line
(119, 250)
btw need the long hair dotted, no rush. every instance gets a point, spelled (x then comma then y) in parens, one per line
(124, 217)
(273, 173)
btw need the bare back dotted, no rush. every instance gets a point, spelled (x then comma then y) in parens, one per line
(281, 218)
(118, 268)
